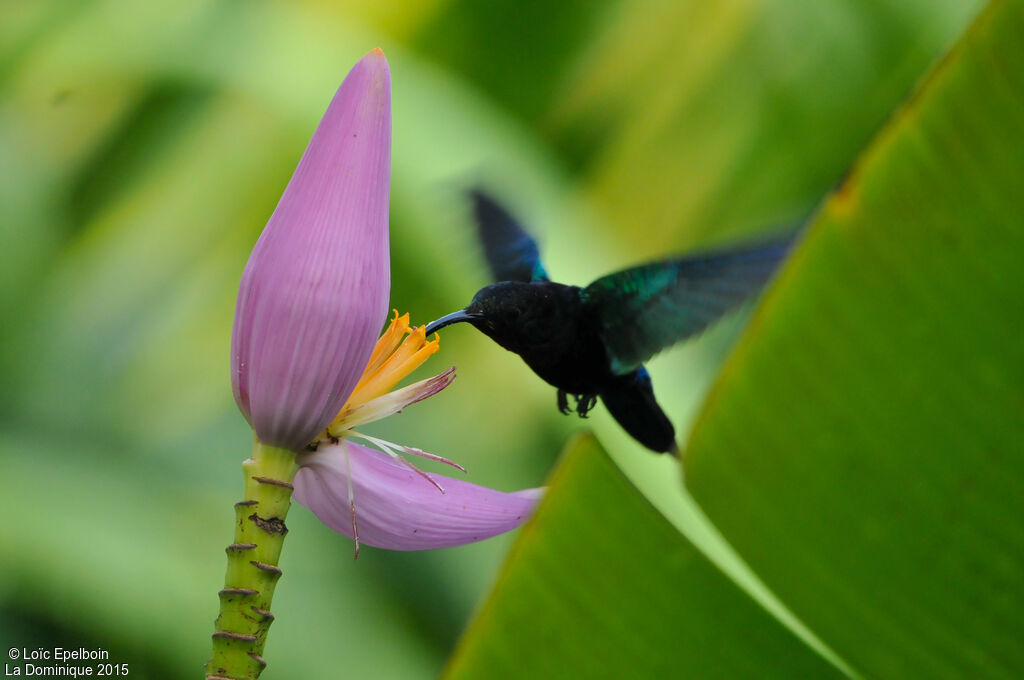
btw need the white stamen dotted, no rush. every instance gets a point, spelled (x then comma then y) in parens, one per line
(411, 450)
(430, 456)
(386, 447)
(351, 499)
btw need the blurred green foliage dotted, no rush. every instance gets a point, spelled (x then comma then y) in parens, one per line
(144, 145)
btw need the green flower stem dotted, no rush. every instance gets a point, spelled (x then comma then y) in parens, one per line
(241, 628)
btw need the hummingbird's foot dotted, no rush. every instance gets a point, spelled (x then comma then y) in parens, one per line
(584, 403)
(563, 402)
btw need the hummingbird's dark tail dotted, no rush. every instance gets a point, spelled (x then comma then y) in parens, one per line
(630, 400)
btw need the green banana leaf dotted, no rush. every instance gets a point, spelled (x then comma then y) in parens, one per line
(600, 585)
(862, 448)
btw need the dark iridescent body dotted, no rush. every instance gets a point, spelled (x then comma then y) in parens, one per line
(591, 342)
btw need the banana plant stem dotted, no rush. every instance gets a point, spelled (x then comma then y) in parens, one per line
(241, 628)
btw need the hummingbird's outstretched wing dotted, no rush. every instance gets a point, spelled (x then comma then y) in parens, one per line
(645, 309)
(511, 254)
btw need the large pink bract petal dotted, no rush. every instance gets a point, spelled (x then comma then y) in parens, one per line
(399, 510)
(314, 293)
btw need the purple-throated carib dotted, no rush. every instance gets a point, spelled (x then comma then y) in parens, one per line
(592, 342)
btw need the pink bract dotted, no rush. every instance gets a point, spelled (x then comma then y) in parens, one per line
(398, 509)
(314, 293)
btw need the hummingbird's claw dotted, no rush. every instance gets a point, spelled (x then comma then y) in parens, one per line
(563, 402)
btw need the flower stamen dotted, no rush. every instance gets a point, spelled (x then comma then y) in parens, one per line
(385, 446)
(411, 450)
(351, 500)
(398, 352)
(386, 405)
(387, 343)
(393, 359)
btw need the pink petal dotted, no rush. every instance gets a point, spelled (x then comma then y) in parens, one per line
(314, 293)
(399, 510)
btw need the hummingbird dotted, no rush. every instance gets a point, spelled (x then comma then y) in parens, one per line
(591, 342)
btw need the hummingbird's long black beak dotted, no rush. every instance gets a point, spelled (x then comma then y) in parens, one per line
(448, 320)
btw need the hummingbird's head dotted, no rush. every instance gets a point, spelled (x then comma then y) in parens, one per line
(487, 310)
(512, 313)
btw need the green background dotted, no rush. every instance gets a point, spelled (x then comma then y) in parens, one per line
(859, 453)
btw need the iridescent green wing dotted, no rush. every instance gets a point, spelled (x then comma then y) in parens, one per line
(511, 254)
(645, 309)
